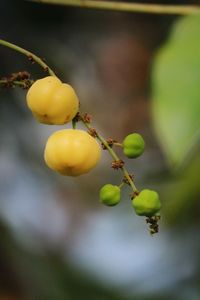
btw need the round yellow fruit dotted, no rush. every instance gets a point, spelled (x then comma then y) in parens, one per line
(72, 152)
(51, 101)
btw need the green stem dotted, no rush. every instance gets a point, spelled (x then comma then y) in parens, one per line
(113, 155)
(15, 82)
(126, 6)
(4, 81)
(110, 150)
(74, 124)
(118, 144)
(29, 54)
(121, 185)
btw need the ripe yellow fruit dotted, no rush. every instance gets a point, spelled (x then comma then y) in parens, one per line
(72, 152)
(51, 101)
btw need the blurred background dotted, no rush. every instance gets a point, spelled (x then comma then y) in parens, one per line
(57, 241)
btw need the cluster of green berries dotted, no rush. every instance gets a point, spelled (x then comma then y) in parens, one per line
(147, 202)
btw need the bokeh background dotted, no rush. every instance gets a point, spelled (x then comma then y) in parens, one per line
(57, 242)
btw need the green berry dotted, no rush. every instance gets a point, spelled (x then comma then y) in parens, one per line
(110, 194)
(147, 203)
(133, 145)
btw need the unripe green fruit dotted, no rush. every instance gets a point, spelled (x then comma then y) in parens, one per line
(110, 194)
(133, 145)
(147, 203)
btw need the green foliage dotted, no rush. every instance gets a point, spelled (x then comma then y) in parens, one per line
(181, 195)
(176, 91)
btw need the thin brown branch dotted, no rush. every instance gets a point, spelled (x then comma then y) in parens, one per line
(126, 6)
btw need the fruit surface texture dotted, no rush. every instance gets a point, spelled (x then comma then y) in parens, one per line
(110, 195)
(51, 101)
(133, 145)
(147, 203)
(72, 152)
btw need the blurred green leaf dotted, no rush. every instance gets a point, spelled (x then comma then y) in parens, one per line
(181, 195)
(176, 91)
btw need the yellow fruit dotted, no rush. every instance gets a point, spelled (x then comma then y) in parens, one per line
(51, 101)
(72, 152)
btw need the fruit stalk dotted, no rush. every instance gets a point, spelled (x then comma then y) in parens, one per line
(113, 155)
(24, 84)
(29, 54)
(16, 82)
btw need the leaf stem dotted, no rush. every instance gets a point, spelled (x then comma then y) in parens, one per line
(29, 54)
(127, 7)
(112, 154)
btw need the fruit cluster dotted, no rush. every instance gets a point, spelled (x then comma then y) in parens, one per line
(74, 152)
(70, 152)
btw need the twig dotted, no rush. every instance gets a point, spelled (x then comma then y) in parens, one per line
(112, 154)
(32, 57)
(127, 7)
